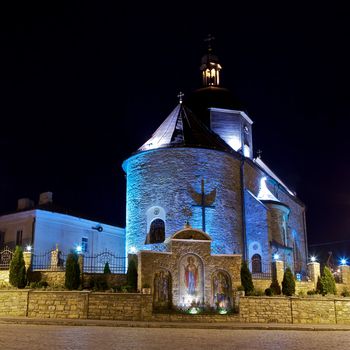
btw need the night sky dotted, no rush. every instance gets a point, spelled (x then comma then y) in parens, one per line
(84, 87)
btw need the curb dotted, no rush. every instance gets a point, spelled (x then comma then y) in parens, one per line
(177, 325)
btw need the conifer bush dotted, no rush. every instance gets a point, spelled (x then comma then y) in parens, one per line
(288, 283)
(106, 268)
(275, 286)
(17, 274)
(246, 279)
(328, 282)
(72, 276)
(132, 275)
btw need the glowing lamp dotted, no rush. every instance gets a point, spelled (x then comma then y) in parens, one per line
(28, 248)
(222, 311)
(193, 311)
(79, 249)
(313, 259)
(132, 250)
(343, 261)
(276, 256)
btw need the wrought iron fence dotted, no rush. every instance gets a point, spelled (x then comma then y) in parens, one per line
(49, 261)
(259, 270)
(96, 263)
(5, 258)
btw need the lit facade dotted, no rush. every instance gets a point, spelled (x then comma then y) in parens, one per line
(198, 167)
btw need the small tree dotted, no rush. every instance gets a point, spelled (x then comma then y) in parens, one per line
(288, 283)
(17, 274)
(328, 282)
(72, 277)
(246, 279)
(132, 275)
(106, 268)
(275, 287)
(319, 285)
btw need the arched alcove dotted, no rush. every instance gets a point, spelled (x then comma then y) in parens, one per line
(221, 289)
(191, 280)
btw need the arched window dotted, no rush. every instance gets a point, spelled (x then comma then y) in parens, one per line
(256, 263)
(157, 231)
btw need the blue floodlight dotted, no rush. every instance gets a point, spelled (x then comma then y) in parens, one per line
(276, 256)
(343, 261)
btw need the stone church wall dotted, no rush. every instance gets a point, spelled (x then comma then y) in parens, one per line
(170, 179)
(256, 229)
(296, 227)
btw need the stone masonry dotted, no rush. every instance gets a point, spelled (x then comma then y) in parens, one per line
(150, 262)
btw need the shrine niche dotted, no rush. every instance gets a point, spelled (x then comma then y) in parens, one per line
(221, 290)
(162, 289)
(191, 280)
(187, 273)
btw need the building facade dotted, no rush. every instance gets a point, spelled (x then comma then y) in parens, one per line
(42, 228)
(198, 167)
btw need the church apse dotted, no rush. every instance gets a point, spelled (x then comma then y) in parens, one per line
(186, 184)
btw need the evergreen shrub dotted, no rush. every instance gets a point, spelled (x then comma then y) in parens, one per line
(246, 279)
(132, 275)
(288, 283)
(72, 276)
(106, 268)
(276, 289)
(328, 282)
(17, 274)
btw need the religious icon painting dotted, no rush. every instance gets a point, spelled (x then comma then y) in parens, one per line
(191, 280)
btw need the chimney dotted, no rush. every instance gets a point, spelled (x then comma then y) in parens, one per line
(45, 198)
(24, 204)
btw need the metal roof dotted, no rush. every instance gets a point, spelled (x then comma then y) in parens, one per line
(183, 129)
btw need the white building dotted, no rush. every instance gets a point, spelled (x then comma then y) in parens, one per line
(43, 228)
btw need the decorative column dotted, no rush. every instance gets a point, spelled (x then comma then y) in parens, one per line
(54, 258)
(314, 271)
(345, 273)
(81, 265)
(277, 270)
(27, 256)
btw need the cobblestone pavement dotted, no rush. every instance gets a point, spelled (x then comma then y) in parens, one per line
(52, 337)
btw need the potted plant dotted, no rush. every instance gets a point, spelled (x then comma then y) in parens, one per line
(146, 288)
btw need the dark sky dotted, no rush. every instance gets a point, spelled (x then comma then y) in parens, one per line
(83, 86)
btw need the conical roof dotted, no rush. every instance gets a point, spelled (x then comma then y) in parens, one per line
(183, 129)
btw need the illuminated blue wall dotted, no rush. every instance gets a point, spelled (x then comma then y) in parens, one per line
(165, 179)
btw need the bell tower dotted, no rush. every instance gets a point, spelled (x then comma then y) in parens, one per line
(210, 66)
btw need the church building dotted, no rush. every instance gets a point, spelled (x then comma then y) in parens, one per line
(198, 170)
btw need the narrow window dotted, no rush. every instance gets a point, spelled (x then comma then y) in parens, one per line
(157, 231)
(256, 263)
(84, 244)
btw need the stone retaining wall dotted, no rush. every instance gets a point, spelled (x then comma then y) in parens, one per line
(58, 304)
(4, 277)
(121, 306)
(13, 303)
(134, 306)
(294, 310)
(303, 287)
(72, 304)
